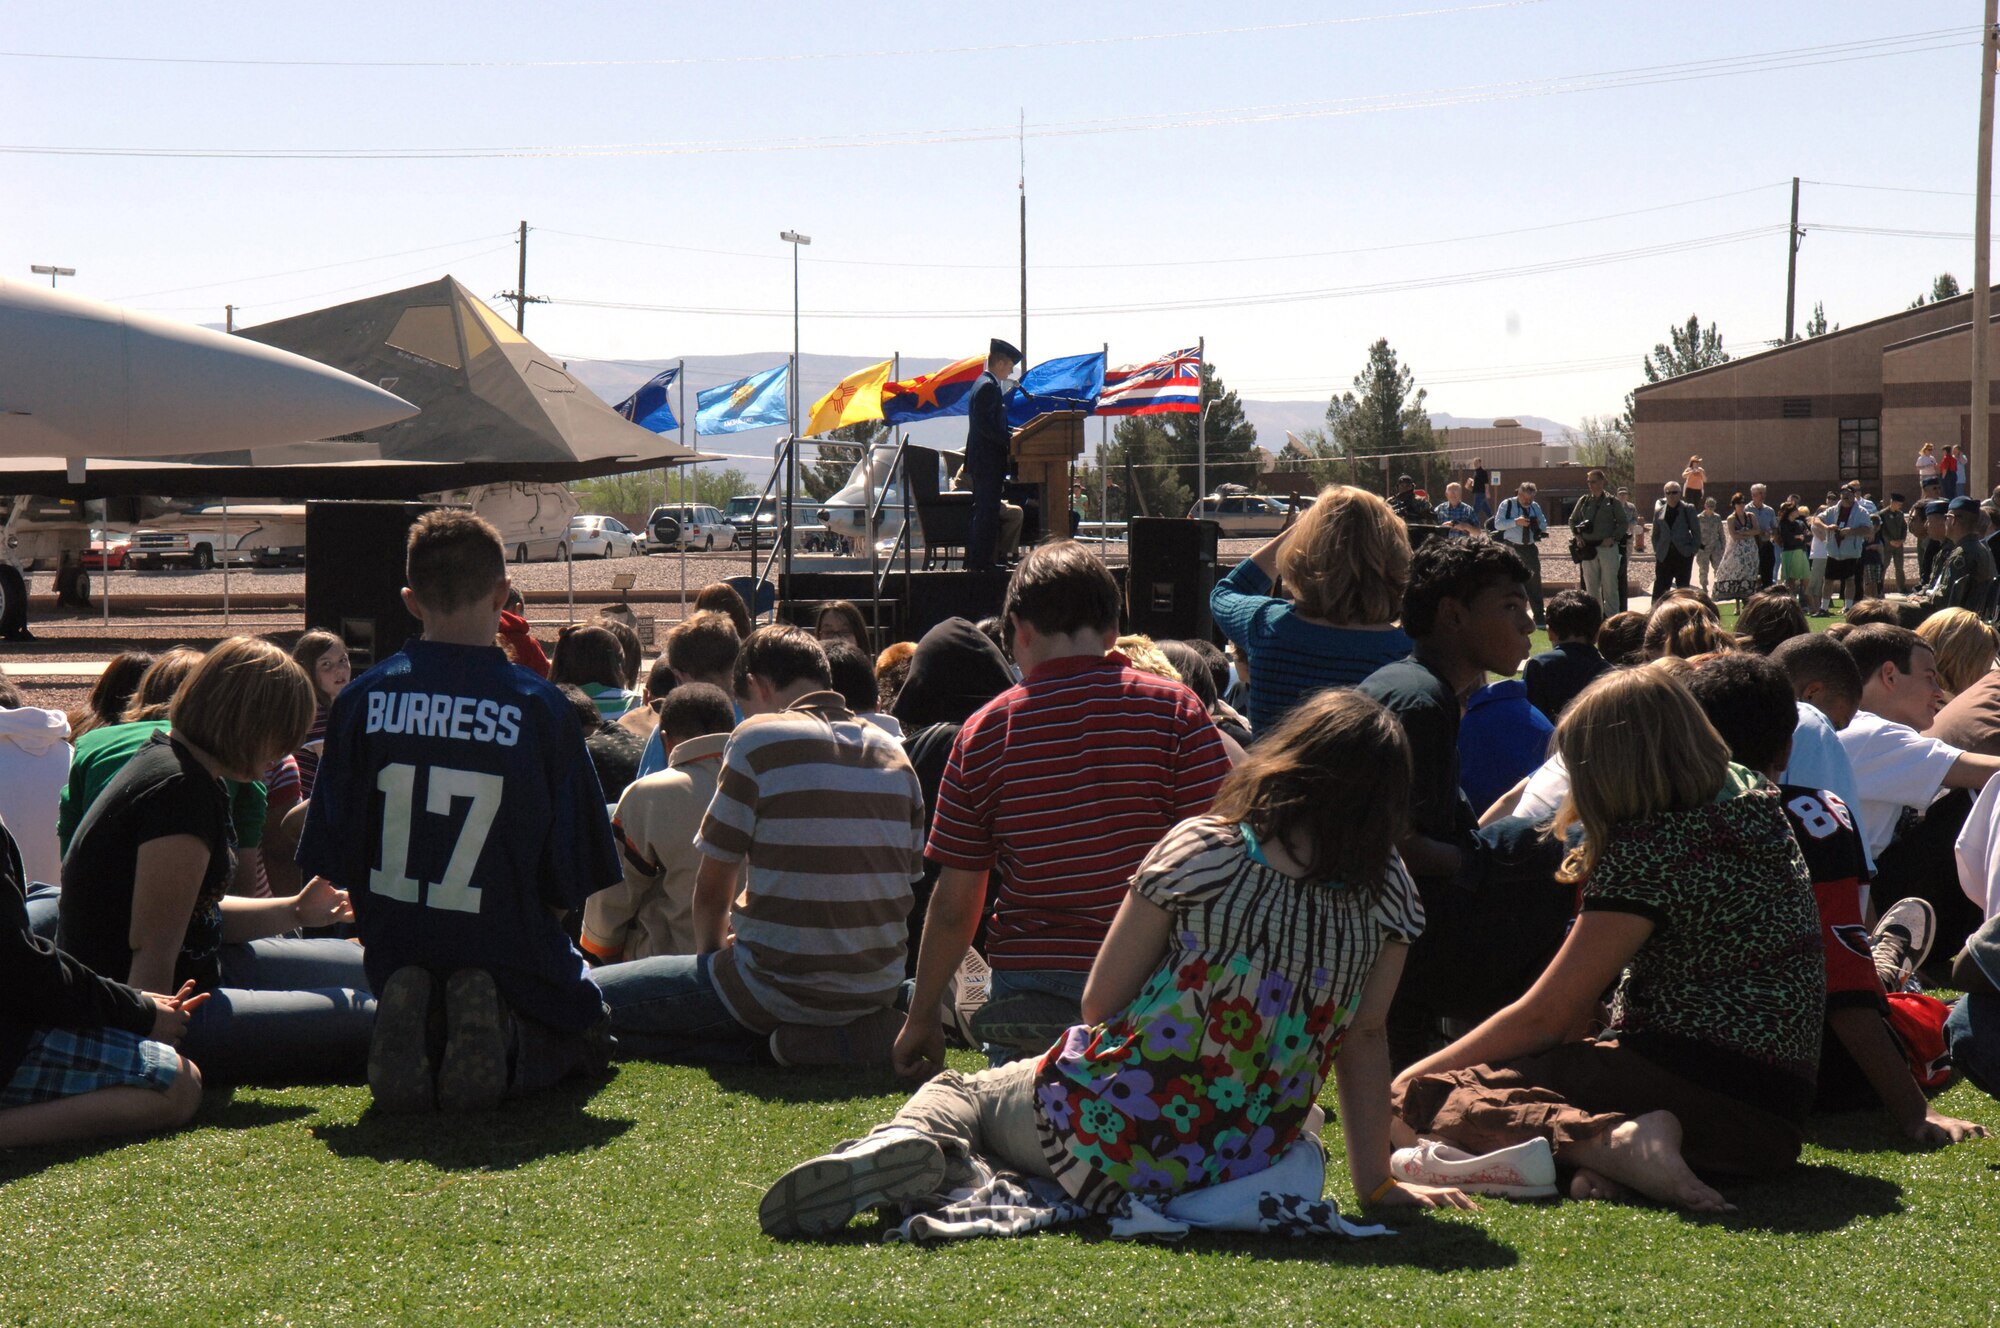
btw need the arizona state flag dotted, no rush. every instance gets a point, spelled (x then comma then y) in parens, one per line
(933, 396)
(855, 398)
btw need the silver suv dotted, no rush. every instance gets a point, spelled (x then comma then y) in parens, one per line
(1240, 512)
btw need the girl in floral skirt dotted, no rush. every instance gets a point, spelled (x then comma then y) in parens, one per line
(1255, 942)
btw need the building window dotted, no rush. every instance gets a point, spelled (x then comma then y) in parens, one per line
(1861, 451)
(1796, 408)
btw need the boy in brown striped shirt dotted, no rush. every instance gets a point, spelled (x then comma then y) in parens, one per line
(807, 956)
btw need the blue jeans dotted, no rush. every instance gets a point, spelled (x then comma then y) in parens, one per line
(666, 1008)
(1972, 1036)
(287, 1011)
(1063, 1010)
(44, 907)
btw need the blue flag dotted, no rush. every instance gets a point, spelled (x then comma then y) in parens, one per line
(651, 407)
(1071, 383)
(756, 402)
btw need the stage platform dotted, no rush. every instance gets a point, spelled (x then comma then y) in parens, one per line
(911, 605)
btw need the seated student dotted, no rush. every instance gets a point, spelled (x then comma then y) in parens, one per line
(80, 1054)
(614, 749)
(660, 681)
(1062, 783)
(34, 765)
(1826, 691)
(854, 678)
(1865, 611)
(652, 911)
(516, 639)
(325, 660)
(1972, 1032)
(721, 597)
(954, 672)
(1195, 672)
(1559, 674)
(589, 656)
(1769, 619)
(1964, 645)
(457, 801)
(700, 648)
(1286, 906)
(1467, 610)
(620, 621)
(1896, 768)
(806, 956)
(1864, 1061)
(1684, 628)
(103, 752)
(143, 886)
(892, 667)
(1344, 564)
(1622, 639)
(1683, 1081)
(111, 693)
(1502, 739)
(841, 621)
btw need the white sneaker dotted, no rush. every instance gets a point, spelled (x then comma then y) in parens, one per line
(821, 1196)
(1525, 1171)
(1901, 941)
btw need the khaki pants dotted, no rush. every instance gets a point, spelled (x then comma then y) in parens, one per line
(990, 1114)
(1599, 572)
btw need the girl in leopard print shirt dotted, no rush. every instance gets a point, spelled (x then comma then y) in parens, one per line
(1698, 905)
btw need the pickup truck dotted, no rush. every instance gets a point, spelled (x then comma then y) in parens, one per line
(258, 535)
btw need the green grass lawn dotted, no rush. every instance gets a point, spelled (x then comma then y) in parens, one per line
(635, 1202)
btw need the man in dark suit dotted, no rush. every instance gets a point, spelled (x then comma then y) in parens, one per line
(987, 440)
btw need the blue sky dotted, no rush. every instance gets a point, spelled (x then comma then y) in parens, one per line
(930, 226)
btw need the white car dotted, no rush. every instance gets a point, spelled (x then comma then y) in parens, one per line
(700, 526)
(602, 537)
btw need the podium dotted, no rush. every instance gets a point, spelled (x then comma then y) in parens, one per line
(1043, 451)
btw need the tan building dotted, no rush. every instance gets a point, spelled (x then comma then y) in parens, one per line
(1502, 446)
(1856, 403)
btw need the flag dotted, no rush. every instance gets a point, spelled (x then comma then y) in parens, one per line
(1070, 383)
(932, 396)
(755, 402)
(651, 407)
(1164, 386)
(855, 398)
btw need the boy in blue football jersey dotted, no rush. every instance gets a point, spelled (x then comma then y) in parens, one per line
(458, 806)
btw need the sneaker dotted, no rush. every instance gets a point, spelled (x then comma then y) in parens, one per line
(1525, 1171)
(869, 1040)
(967, 991)
(400, 1072)
(821, 1196)
(1902, 940)
(473, 1073)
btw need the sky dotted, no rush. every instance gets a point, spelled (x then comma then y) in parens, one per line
(1521, 195)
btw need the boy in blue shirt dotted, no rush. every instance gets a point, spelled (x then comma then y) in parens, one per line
(458, 806)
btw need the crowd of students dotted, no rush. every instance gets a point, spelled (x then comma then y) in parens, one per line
(1617, 925)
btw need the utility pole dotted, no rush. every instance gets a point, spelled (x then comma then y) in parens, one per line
(1792, 238)
(519, 295)
(1982, 261)
(228, 318)
(1023, 141)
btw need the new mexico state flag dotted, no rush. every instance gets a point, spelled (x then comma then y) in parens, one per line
(855, 398)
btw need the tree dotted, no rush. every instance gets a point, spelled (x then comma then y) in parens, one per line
(1816, 325)
(1384, 416)
(640, 491)
(1943, 287)
(1685, 350)
(1602, 442)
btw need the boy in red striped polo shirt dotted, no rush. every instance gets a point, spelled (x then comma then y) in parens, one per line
(1063, 784)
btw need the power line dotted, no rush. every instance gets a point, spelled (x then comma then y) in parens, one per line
(1216, 302)
(297, 271)
(427, 270)
(655, 62)
(1460, 95)
(1177, 262)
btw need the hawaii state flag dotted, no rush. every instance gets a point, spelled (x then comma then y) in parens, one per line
(1166, 386)
(933, 396)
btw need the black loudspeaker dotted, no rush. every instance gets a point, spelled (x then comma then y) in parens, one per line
(354, 575)
(1173, 571)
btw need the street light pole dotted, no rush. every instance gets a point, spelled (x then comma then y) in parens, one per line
(1201, 455)
(1982, 274)
(784, 523)
(45, 270)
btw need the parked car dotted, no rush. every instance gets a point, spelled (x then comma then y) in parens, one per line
(248, 535)
(1240, 512)
(690, 526)
(756, 523)
(603, 537)
(108, 551)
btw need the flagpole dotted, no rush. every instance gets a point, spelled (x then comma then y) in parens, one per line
(1200, 426)
(1104, 469)
(681, 382)
(1024, 231)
